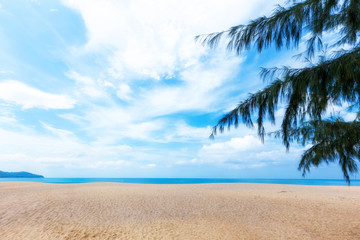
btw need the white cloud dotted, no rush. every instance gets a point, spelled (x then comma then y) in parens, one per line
(140, 65)
(199, 90)
(150, 165)
(60, 149)
(62, 133)
(29, 97)
(156, 39)
(35, 1)
(146, 110)
(184, 132)
(3, 71)
(233, 146)
(108, 164)
(86, 86)
(153, 43)
(124, 91)
(116, 123)
(248, 152)
(153, 39)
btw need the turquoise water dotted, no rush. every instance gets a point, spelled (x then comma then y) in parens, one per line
(320, 182)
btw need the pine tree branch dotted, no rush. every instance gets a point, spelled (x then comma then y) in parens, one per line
(265, 101)
(333, 140)
(286, 25)
(308, 92)
(283, 28)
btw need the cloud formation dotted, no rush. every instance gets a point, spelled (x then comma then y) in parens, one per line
(30, 97)
(120, 88)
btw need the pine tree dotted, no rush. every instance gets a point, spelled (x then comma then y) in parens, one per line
(306, 92)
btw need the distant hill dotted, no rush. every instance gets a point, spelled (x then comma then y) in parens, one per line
(19, 175)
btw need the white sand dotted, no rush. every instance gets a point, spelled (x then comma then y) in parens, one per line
(205, 211)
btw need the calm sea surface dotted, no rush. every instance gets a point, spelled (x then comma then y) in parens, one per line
(321, 182)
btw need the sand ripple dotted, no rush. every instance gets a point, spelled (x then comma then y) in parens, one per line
(206, 211)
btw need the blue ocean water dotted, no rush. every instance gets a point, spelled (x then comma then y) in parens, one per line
(319, 182)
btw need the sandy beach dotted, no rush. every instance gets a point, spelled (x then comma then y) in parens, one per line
(204, 211)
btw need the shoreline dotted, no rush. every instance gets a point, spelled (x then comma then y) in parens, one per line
(161, 181)
(176, 184)
(33, 210)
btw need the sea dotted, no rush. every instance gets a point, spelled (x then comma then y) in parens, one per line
(318, 182)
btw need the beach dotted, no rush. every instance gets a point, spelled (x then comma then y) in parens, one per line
(190, 211)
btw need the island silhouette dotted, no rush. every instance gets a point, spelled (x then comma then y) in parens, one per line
(19, 175)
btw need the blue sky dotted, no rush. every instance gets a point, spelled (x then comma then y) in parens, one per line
(121, 89)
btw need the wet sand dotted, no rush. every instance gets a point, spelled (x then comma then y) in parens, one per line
(204, 211)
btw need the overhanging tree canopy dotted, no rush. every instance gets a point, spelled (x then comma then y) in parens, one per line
(307, 92)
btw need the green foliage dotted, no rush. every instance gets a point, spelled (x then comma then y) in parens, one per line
(307, 92)
(332, 140)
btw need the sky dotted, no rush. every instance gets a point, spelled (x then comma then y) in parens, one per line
(108, 88)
